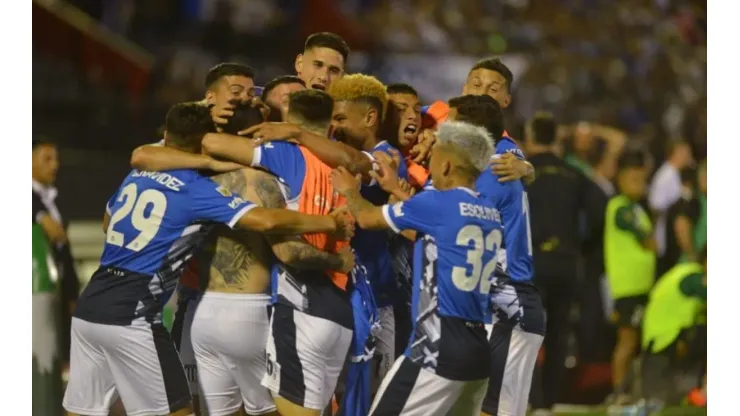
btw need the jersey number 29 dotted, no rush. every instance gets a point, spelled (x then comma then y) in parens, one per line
(480, 276)
(147, 226)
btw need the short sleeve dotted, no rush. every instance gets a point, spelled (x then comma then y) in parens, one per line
(414, 213)
(212, 202)
(284, 160)
(38, 207)
(507, 145)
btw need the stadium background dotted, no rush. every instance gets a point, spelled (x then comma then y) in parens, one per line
(105, 72)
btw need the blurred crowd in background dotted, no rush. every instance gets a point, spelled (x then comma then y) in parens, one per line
(632, 68)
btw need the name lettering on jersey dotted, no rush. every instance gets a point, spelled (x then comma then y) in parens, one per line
(236, 202)
(398, 209)
(162, 178)
(478, 211)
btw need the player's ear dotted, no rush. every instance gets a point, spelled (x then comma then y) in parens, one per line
(507, 101)
(446, 167)
(299, 63)
(210, 97)
(371, 118)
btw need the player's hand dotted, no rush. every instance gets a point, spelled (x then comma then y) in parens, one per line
(257, 102)
(406, 187)
(393, 160)
(509, 168)
(345, 224)
(272, 131)
(220, 113)
(222, 166)
(387, 175)
(344, 181)
(423, 148)
(403, 192)
(348, 259)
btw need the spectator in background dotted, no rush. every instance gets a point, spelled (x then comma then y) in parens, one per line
(44, 167)
(629, 254)
(700, 228)
(665, 189)
(680, 220)
(555, 199)
(592, 346)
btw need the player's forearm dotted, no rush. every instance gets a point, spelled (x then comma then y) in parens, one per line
(159, 158)
(528, 172)
(335, 153)
(366, 215)
(225, 146)
(301, 255)
(286, 222)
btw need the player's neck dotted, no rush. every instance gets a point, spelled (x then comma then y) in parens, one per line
(455, 181)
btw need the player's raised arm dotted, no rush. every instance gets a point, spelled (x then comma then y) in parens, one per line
(287, 222)
(158, 158)
(367, 215)
(228, 147)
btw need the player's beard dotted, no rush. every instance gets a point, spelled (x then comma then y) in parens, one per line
(346, 136)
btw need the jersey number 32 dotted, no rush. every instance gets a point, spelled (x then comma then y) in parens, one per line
(480, 275)
(136, 205)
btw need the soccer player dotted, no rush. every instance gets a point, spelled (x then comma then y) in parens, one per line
(360, 102)
(276, 94)
(119, 346)
(224, 82)
(445, 368)
(629, 255)
(519, 327)
(311, 326)
(323, 60)
(237, 266)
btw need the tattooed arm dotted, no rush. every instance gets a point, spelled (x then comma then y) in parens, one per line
(294, 251)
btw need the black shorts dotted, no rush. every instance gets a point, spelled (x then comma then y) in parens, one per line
(628, 311)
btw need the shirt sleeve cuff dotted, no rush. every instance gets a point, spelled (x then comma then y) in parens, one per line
(389, 219)
(373, 182)
(257, 157)
(240, 214)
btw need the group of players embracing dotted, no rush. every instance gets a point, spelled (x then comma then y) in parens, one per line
(330, 240)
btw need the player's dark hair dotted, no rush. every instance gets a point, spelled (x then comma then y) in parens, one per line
(285, 79)
(495, 64)
(328, 40)
(544, 128)
(186, 124)
(401, 88)
(480, 110)
(245, 116)
(227, 69)
(313, 108)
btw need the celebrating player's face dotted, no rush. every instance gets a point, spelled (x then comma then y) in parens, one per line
(230, 87)
(279, 97)
(319, 67)
(486, 82)
(407, 116)
(349, 121)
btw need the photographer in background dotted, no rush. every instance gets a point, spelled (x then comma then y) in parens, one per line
(44, 167)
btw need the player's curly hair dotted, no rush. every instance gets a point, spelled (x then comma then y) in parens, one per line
(363, 88)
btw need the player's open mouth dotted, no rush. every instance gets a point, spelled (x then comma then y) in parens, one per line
(410, 130)
(318, 87)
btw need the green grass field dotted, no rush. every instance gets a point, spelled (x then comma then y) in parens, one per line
(561, 410)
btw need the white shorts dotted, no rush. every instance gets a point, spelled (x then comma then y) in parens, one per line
(305, 355)
(409, 390)
(229, 335)
(513, 357)
(138, 363)
(385, 345)
(181, 328)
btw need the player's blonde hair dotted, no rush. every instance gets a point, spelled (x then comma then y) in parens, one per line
(360, 87)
